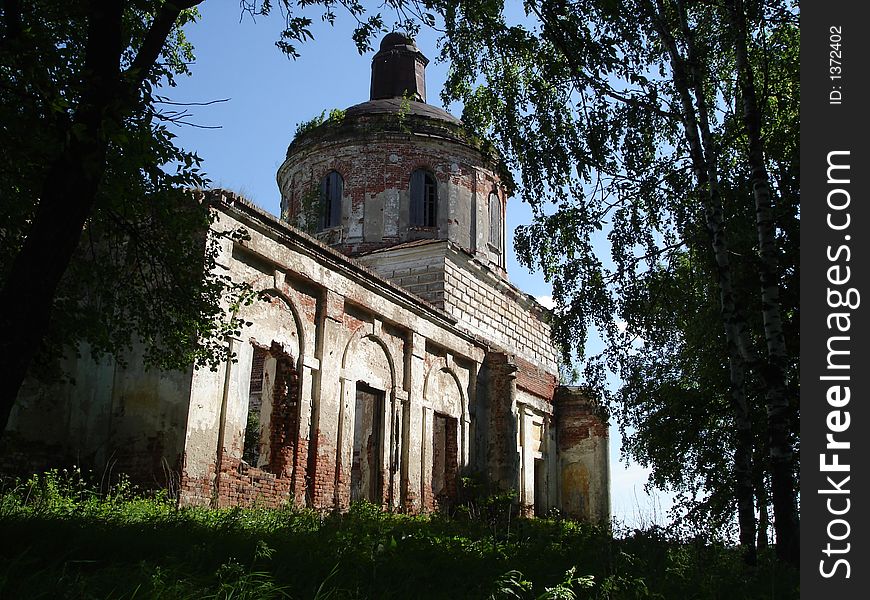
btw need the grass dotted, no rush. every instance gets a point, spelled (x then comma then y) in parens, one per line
(64, 538)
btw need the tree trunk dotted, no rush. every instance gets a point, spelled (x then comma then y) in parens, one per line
(786, 522)
(68, 196)
(28, 295)
(70, 186)
(763, 518)
(688, 83)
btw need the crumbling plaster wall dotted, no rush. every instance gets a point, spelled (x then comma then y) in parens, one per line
(337, 325)
(55, 423)
(448, 394)
(584, 465)
(355, 328)
(112, 416)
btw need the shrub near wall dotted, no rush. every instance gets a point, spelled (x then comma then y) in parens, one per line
(67, 536)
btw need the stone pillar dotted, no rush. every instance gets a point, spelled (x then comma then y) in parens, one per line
(551, 456)
(302, 492)
(503, 458)
(327, 401)
(384, 446)
(470, 457)
(344, 440)
(232, 417)
(426, 498)
(412, 423)
(398, 458)
(584, 469)
(527, 461)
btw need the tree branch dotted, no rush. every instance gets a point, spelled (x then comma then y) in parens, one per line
(155, 40)
(577, 71)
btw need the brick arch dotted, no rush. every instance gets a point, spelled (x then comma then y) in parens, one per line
(429, 390)
(289, 300)
(319, 170)
(427, 166)
(359, 336)
(305, 178)
(445, 425)
(279, 339)
(284, 412)
(366, 431)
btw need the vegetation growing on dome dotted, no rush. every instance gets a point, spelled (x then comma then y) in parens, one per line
(335, 117)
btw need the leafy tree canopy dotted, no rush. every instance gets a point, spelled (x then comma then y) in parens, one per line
(99, 240)
(597, 106)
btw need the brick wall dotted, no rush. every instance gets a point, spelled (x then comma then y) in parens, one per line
(451, 468)
(243, 485)
(284, 421)
(424, 280)
(578, 419)
(284, 478)
(497, 311)
(535, 380)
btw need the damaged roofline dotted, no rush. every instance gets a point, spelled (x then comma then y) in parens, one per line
(247, 212)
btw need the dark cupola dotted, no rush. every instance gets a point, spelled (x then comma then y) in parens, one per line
(398, 69)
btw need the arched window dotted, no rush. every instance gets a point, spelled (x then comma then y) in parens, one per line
(424, 199)
(495, 220)
(331, 191)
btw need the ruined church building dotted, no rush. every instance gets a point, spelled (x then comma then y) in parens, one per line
(391, 358)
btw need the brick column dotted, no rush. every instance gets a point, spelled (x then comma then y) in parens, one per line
(527, 460)
(327, 397)
(426, 498)
(583, 440)
(302, 494)
(503, 459)
(412, 423)
(397, 443)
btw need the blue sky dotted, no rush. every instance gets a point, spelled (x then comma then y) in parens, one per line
(268, 94)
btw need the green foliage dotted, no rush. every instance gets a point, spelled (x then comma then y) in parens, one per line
(144, 272)
(335, 117)
(74, 536)
(87, 155)
(311, 210)
(253, 431)
(582, 102)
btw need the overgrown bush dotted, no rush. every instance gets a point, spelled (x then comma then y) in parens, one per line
(70, 535)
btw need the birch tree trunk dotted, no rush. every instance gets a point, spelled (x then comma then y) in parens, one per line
(688, 84)
(786, 523)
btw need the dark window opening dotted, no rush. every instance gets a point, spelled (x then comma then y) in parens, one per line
(495, 221)
(445, 459)
(424, 199)
(365, 470)
(540, 487)
(331, 192)
(272, 422)
(254, 428)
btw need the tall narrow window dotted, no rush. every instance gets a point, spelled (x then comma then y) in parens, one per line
(445, 459)
(424, 199)
(262, 375)
(365, 470)
(495, 221)
(331, 191)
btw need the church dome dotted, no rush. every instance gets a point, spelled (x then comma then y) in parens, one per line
(395, 169)
(398, 106)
